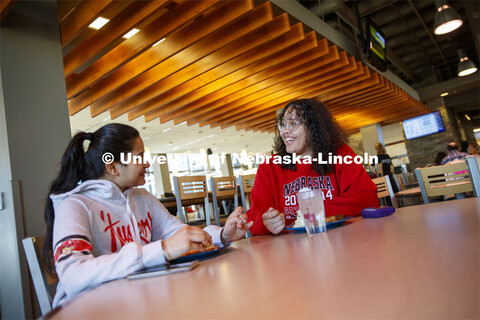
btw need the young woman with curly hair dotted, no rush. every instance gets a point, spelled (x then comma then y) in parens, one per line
(306, 130)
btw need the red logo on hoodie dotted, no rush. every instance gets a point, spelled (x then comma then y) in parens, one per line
(123, 233)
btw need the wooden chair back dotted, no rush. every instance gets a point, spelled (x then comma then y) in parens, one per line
(443, 180)
(399, 179)
(41, 279)
(223, 187)
(384, 189)
(191, 190)
(192, 187)
(246, 183)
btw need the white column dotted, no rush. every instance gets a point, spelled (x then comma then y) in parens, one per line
(34, 132)
(370, 136)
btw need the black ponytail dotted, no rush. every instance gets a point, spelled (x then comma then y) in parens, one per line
(78, 166)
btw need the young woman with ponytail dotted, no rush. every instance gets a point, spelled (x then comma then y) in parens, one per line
(101, 228)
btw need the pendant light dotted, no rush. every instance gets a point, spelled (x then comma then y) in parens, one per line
(465, 65)
(446, 19)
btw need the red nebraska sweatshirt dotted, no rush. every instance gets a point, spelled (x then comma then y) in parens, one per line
(347, 190)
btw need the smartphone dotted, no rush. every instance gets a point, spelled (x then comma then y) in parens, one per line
(163, 269)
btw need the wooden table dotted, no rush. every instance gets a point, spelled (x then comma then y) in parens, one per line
(422, 262)
(171, 202)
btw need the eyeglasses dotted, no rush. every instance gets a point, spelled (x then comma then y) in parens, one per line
(286, 124)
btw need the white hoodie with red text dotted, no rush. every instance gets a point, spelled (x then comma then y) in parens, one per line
(101, 233)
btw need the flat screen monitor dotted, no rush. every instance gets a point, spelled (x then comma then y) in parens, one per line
(423, 126)
(376, 49)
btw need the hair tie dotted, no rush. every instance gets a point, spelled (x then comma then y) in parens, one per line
(88, 136)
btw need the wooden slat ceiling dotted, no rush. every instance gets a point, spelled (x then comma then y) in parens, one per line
(222, 63)
(5, 7)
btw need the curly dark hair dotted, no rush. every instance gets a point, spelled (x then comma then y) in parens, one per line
(323, 133)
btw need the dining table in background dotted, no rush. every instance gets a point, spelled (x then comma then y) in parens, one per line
(421, 262)
(409, 193)
(171, 202)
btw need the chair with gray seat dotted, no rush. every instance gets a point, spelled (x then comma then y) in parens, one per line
(223, 189)
(384, 189)
(473, 165)
(245, 183)
(443, 180)
(191, 190)
(40, 277)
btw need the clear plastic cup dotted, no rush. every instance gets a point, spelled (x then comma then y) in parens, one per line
(313, 212)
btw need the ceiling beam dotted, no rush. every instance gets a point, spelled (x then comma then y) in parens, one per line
(288, 59)
(240, 52)
(310, 19)
(189, 45)
(119, 25)
(80, 18)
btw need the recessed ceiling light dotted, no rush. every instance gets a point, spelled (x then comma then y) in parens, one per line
(466, 116)
(165, 130)
(130, 33)
(163, 39)
(476, 130)
(444, 94)
(106, 119)
(98, 23)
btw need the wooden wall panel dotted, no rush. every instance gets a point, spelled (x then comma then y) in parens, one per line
(222, 63)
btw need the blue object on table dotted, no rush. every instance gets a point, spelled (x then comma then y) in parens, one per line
(377, 212)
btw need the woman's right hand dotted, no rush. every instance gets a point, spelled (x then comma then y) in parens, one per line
(274, 220)
(185, 239)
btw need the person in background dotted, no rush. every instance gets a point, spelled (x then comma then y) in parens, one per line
(464, 146)
(101, 228)
(453, 153)
(438, 159)
(386, 162)
(473, 149)
(307, 129)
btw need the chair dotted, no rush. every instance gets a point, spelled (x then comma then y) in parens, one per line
(399, 181)
(40, 278)
(223, 188)
(384, 189)
(443, 180)
(190, 190)
(246, 185)
(409, 179)
(404, 182)
(474, 171)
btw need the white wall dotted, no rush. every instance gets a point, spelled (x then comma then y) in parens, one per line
(11, 290)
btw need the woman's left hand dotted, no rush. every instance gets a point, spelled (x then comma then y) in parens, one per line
(236, 226)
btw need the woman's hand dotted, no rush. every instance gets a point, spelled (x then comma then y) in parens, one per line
(236, 226)
(185, 239)
(274, 220)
